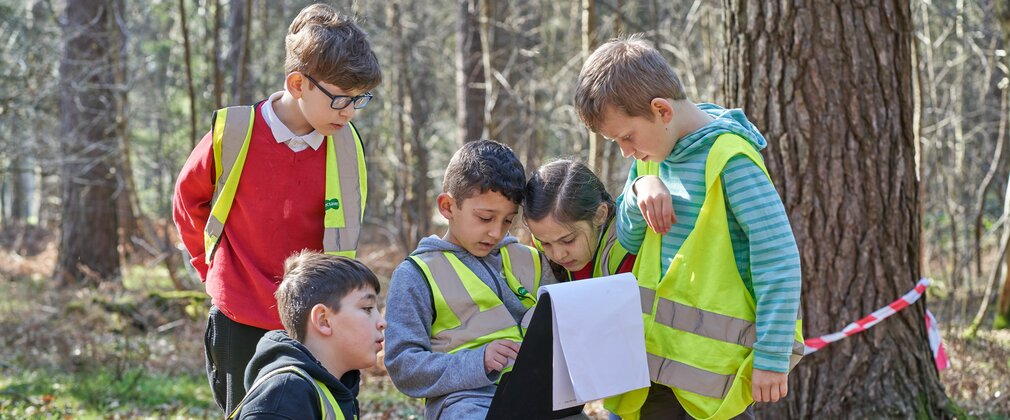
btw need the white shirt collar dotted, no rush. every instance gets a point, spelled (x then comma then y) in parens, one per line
(281, 132)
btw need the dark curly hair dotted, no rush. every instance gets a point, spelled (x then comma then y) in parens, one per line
(481, 166)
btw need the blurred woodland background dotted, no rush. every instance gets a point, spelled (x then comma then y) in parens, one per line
(887, 123)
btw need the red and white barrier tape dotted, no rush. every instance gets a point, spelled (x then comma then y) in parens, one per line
(935, 342)
(814, 344)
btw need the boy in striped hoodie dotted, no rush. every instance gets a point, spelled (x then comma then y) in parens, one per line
(628, 93)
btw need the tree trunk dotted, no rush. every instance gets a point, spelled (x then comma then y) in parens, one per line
(90, 107)
(470, 83)
(216, 74)
(509, 61)
(413, 125)
(1002, 320)
(240, 14)
(830, 84)
(22, 187)
(189, 74)
(589, 43)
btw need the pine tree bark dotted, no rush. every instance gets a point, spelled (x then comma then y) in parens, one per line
(830, 85)
(470, 87)
(90, 114)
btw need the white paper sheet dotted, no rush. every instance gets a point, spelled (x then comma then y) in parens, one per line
(599, 340)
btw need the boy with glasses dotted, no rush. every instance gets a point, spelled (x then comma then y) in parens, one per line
(283, 175)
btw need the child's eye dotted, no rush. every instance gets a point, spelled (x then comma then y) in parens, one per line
(484, 219)
(368, 309)
(568, 241)
(508, 222)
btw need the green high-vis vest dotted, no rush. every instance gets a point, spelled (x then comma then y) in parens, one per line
(327, 403)
(346, 181)
(700, 317)
(468, 313)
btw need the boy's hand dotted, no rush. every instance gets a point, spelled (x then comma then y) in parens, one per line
(768, 386)
(655, 202)
(497, 354)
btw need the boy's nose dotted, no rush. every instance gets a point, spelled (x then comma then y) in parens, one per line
(348, 112)
(499, 232)
(626, 151)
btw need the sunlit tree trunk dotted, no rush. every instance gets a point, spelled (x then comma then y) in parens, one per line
(830, 85)
(90, 108)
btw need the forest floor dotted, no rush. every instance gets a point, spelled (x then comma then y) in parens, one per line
(135, 348)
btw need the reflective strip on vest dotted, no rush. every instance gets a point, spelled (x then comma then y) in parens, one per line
(346, 181)
(609, 252)
(231, 134)
(340, 237)
(327, 403)
(699, 316)
(523, 275)
(475, 315)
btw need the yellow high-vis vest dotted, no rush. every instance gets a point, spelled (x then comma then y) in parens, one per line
(468, 313)
(699, 318)
(609, 252)
(327, 403)
(346, 181)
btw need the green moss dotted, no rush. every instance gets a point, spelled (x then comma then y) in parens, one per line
(1002, 322)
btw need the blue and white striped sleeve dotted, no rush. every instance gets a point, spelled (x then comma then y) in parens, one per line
(774, 260)
(631, 226)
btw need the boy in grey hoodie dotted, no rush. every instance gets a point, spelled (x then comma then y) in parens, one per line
(456, 305)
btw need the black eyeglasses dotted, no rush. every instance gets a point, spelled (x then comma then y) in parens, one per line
(342, 101)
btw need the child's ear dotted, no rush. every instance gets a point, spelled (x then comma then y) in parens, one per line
(602, 211)
(319, 319)
(661, 108)
(293, 83)
(445, 205)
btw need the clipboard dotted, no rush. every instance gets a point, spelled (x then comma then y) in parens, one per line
(526, 392)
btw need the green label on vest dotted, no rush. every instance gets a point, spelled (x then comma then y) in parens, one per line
(332, 204)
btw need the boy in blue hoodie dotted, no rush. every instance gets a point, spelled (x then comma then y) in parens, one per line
(746, 314)
(332, 327)
(457, 305)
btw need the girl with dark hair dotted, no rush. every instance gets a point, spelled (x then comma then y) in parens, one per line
(571, 217)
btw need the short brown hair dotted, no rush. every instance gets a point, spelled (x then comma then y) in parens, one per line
(627, 73)
(311, 278)
(481, 166)
(330, 47)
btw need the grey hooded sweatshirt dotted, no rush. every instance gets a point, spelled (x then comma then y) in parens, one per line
(455, 385)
